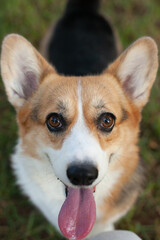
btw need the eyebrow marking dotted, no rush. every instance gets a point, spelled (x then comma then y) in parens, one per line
(35, 113)
(62, 106)
(99, 104)
(124, 115)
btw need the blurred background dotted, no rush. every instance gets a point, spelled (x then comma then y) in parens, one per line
(19, 220)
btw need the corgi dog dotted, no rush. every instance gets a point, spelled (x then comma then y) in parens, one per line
(78, 114)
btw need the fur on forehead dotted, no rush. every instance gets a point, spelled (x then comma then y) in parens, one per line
(23, 69)
(60, 94)
(55, 94)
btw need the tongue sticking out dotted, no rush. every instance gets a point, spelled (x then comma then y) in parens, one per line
(78, 213)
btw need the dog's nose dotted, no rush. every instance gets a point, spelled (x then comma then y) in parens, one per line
(84, 174)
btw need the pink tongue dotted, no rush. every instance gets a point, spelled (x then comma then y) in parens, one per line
(78, 213)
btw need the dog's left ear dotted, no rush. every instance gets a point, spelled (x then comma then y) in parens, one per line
(136, 70)
(22, 69)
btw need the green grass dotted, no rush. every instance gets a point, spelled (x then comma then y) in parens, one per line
(19, 220)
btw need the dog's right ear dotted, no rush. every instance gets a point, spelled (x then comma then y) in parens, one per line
(22, 68)
(136, 70)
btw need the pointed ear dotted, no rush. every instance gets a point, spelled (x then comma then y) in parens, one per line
(136, 69)
(22, 68)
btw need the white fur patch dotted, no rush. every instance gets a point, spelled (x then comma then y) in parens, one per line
(38, 181)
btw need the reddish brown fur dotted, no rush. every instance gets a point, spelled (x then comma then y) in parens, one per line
(53, 90)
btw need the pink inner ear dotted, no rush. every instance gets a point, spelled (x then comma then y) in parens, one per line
(128, 86)
(29, 84)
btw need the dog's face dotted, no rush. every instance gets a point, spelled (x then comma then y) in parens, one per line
(81, 125)
(76, 122)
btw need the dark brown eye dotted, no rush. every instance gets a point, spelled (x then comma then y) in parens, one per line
(106, 122)
(55, 122)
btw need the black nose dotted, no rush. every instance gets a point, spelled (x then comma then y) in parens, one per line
(82, 174)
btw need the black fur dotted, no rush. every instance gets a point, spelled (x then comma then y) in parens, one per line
(83, 41)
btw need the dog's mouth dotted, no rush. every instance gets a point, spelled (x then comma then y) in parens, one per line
(78, 213)
(66, 190)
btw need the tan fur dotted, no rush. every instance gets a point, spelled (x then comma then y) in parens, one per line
(53, 94)
(129, 163)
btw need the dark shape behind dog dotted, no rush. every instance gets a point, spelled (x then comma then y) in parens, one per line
(83, 42)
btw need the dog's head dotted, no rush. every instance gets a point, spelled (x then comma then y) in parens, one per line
(82, 125)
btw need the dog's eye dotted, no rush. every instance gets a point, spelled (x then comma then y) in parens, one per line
(106, 122)
(55, 122)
